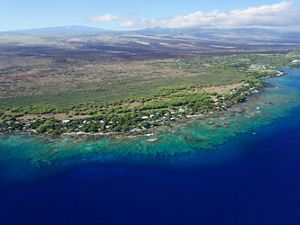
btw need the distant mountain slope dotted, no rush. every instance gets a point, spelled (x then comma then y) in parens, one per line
(222, 35)
(229, 35)
(80, 42)
(61, 30)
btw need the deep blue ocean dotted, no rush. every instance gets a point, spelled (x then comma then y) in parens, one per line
(258, 186)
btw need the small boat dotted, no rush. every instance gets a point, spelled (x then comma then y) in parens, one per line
(152, 139)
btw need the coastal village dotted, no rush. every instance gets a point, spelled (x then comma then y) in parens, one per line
(136, 116)
(132, 122)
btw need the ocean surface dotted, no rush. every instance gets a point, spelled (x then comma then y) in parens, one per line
(240, 169)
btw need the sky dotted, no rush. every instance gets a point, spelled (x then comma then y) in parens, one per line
(137, 14)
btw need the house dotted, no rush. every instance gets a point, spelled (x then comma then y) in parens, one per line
(257, 67)
(296, 61)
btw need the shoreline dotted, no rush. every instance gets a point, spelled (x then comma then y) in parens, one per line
(156, 131)
(144, 132)
(209, 133)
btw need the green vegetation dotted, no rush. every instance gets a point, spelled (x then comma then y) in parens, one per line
(168, 90)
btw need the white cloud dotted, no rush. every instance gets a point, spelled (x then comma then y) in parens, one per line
(108, 17)
(128, 24)
(283, 14)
